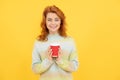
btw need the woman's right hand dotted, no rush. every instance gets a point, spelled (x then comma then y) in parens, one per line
(49, 53)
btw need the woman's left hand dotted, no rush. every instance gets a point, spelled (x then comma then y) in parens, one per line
(60, 54)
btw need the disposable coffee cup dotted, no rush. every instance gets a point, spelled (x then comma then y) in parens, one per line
(55, 48)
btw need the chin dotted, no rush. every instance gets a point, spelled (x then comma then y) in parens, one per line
(54, 30)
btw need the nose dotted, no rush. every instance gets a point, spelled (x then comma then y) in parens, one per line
(53, 22)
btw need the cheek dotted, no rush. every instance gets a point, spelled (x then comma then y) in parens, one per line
(47, 23)
(58, 23)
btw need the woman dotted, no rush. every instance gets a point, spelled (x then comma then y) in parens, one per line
(53, 30)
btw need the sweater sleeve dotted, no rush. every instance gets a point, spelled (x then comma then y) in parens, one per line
(38, 65)
(70, 64)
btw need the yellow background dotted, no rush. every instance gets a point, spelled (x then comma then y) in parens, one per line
(94, 24)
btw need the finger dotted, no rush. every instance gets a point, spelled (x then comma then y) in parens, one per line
(51, 54)
(50, 51)
(60, 51)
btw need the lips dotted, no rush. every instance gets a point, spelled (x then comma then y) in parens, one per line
(53, 27)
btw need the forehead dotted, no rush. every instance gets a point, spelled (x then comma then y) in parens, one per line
(52, 15)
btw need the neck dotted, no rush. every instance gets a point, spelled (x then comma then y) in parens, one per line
(53, 33)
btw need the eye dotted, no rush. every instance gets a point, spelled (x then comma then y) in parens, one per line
(49, 19)
(56, 19)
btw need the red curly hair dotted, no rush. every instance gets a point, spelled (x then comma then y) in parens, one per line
(45, 31)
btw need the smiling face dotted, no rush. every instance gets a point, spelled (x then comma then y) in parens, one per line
(53, 22)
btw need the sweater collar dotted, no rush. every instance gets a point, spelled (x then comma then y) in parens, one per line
(54, 37)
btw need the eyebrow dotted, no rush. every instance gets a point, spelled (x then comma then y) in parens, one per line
(49, 18)
(55, 18)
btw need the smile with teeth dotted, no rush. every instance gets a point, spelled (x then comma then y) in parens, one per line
(53, 27)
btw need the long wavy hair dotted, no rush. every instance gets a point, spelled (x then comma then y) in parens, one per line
(45, 31)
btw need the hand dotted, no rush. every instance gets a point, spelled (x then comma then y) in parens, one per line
(60, 53)
(49, 53)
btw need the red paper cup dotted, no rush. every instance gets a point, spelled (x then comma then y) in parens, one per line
(55, 49)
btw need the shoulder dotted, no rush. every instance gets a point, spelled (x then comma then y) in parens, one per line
(69, 38)
(37, 42)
